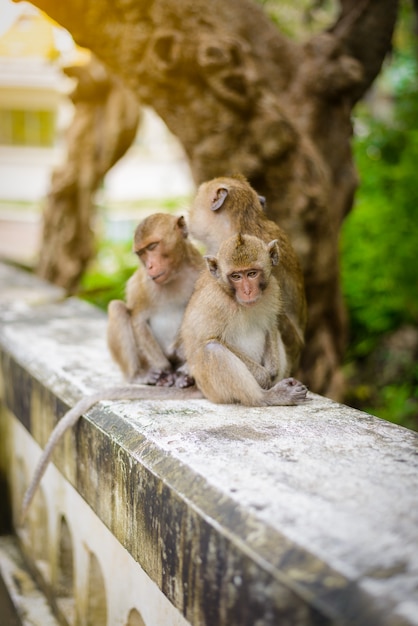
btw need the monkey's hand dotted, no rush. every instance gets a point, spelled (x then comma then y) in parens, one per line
(183, 378)
(160, 378)
(288, 391)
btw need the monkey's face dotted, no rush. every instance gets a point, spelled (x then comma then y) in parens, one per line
(243, 267)
(247, 284)
(159, 244)
(156, 260)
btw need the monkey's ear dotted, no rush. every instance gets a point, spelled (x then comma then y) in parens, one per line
(273, 250)
(212, 263)
(262, 202)
(181, 224)
(218, 200)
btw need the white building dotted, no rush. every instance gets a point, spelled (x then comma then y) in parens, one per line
(35, 110)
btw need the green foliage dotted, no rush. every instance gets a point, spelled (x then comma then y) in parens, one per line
(399, 404)
(379, 241)
(298, 20)
(380, 237)
(106, 277)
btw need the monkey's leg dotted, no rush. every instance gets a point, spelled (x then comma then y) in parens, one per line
(275, 359)
(224, 378)
(121, 339)
(293, 342)
(159, 369)
(286, 392)
(263, 376)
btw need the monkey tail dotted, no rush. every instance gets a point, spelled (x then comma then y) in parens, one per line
(70, 418)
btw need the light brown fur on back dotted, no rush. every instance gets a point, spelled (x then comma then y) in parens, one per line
(240, 211)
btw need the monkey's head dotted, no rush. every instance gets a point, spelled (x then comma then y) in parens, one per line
(159, 244)
(243, 267)
(222, 207)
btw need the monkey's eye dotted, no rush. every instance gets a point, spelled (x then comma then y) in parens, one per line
(252, 274)
(152, 246)
(235, 277)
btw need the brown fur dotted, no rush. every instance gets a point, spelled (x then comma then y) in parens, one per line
(141, 355)
(233, 350)
(142, 334)
(228, 205)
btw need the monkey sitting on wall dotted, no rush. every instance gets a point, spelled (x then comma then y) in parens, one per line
(228, 205)
(230, 335)
(142, 333)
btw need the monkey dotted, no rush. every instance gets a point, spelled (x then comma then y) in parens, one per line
(141, 334)
(70, 418)
(227, 205)
(230, 334)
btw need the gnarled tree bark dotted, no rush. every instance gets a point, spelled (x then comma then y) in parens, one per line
(104, 126)
(242, 97)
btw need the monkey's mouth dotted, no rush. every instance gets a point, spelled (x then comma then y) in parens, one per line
(250, 302)
(157, 278)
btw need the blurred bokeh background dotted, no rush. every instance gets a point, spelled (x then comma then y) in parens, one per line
(379, 240)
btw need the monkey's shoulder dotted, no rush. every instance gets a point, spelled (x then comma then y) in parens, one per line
(186, 279)
(193, 260)
(208, 306)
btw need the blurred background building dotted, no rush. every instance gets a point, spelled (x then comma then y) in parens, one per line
(35, 112)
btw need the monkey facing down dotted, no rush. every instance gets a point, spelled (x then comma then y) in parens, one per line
(228, 205)
(230, 334)
(142, 333)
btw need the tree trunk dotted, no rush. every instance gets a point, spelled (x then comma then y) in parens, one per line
(104, 126)
(243, 98)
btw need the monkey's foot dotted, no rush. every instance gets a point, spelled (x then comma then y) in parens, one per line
(160, 378)
(289, 391)
(184, 380)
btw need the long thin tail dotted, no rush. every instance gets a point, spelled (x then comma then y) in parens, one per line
(70, 418)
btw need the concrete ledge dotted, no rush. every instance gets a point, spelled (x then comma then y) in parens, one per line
(282, 515)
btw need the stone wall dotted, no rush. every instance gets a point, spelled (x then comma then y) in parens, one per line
(169, 512)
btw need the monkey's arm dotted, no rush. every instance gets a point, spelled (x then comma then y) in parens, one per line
(224, 378)
(140, 301)
(147, 345)
(263, 375)
(121, 340)
(132, 344)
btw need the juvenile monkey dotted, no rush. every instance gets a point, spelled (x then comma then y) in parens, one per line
(142, 333)
(229, 205)
(230, 334)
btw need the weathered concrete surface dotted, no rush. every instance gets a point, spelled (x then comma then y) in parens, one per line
(29, 606)
(290, 515)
